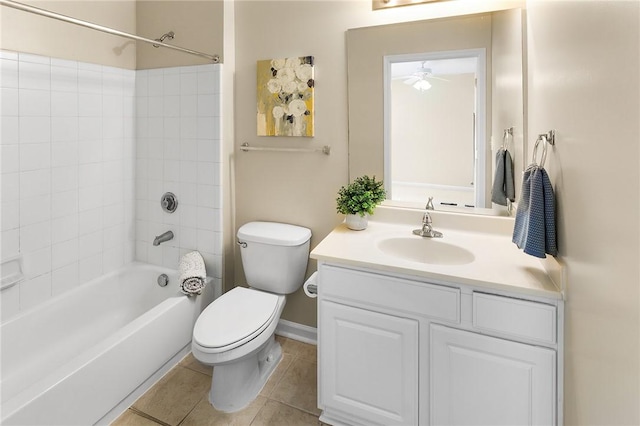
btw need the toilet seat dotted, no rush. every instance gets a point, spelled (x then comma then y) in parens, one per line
(235, 318)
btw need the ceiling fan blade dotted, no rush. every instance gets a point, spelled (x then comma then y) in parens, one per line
(411, 80)
(437, 78)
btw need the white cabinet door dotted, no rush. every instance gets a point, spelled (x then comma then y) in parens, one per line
(480, 380)
(368, 365)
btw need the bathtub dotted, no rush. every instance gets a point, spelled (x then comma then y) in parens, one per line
(81, 358)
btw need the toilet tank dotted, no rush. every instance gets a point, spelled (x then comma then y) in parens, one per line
(274, 255)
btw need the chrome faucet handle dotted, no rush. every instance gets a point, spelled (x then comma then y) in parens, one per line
(429, 205)
(426, 219)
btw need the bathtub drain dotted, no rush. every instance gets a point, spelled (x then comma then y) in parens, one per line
(163, 280)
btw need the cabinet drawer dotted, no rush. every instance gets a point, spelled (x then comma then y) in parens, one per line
(515, 317)
(428, 300)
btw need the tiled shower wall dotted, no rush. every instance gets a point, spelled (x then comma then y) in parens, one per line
(178, 151)
(68, 155)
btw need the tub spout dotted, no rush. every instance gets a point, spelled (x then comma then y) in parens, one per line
(162, 238)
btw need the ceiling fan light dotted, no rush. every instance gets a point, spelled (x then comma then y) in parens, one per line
(422, 85)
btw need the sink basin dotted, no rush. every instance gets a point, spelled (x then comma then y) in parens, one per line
(425, 250)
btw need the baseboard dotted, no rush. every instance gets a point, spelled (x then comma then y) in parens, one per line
(295, 331)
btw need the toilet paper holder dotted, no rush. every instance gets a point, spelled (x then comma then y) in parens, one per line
(310, 286)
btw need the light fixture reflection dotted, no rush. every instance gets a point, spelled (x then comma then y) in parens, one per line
(422, 85)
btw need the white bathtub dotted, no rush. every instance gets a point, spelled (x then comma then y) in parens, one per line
(80, 358)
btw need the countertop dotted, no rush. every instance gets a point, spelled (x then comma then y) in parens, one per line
(498, 263)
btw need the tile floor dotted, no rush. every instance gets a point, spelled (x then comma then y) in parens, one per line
(180, 397)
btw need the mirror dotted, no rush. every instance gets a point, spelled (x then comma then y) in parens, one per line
(440, 141)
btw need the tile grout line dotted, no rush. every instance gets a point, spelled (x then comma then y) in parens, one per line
(148, 416)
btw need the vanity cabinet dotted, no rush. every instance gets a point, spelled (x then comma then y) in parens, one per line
(394, 350)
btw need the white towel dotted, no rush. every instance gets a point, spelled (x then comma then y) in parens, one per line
(192, 273)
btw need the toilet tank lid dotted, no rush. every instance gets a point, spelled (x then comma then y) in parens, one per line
(281, 234)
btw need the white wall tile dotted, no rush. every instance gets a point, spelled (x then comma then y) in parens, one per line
(9, 158)
(34, 75)
(64, 279)
(35, 183)
(90, 245)
(171, 84)
(9, 243)
(206, 241)
(90, 174)
(36, 263)
(208, 173)
(64, 129)
(35, 129)
(90, 268)
(112, 106)
(9, 129)
(90, 151)
(112, 259)
(206, 82)
(155, 83)
(90, 221)
(64, 154)
(207, 219)
(35, 59)
(89, 81)
(10, 303)
(207, 196)
(8, 73)
(9, 102)
(35, 291)
(90, 104)
(206, 128)
(207, 105)
(64, 104)
(188, 83)
(35, 210)
(9, 215)
(64, 228)
(89, 128)
(35, 156)
(113, 128)
(10, 187)
(171, 106)
(156, 106)
(34, 102)
(188, 127)
(89, 198)
(64, 203)
(171, 149)
(64, 79)
(64, 253)
(36, 236)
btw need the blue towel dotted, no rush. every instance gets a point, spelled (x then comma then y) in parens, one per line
(503, 187)
(535, 227)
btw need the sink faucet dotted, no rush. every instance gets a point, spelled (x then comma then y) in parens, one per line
(162, 238)
(427, 230)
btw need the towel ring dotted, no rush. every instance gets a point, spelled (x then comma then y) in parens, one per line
(545, 143)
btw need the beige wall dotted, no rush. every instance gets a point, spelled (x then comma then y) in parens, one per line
(25, 32)
(584, 82)
(198, 25)
(301, 188)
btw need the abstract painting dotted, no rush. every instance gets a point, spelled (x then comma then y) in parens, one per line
(285, 97)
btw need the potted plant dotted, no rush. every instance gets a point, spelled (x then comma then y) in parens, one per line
(358, 200)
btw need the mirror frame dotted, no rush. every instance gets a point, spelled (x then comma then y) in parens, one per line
(480, 134)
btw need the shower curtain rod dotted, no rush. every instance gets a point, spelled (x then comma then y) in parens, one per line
(64, 18)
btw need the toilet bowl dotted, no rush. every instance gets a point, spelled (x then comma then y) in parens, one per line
(235, 333)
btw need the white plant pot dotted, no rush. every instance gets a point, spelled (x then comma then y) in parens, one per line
(357, 222)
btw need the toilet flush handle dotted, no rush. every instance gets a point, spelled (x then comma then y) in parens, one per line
(241, 244)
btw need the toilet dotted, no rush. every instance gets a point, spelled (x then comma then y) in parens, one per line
(235, 333)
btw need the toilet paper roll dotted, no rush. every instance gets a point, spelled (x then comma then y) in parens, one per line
(311, 286)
